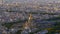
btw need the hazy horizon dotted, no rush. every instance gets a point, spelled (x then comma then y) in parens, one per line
(28, 1)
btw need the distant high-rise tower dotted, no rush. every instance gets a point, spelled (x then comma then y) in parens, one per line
(28, 23)
(27, 26)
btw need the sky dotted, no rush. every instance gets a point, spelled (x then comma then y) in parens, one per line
(13, 1)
